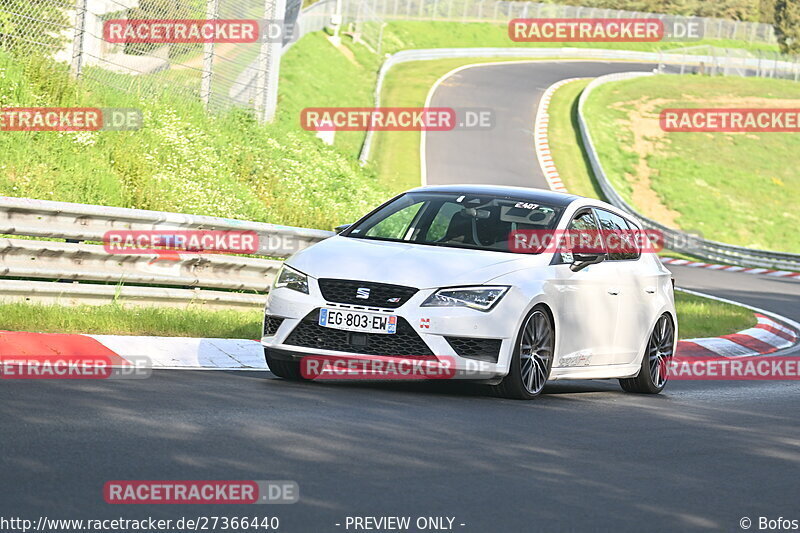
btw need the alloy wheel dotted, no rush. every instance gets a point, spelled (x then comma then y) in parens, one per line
(536, 352)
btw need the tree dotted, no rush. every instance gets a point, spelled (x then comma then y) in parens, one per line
(787, 25)
(767, 11)
(28, 26)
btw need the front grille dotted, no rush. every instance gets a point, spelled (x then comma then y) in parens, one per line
(377, 294)
(271, 325)
(481, 349)
(405, 342)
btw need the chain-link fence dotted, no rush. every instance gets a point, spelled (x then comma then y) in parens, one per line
(505, 10)
(715, 61)
(219, 74)
(246, 73)
(367, 26)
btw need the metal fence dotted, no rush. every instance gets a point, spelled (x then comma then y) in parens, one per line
(218, 74)
(246, 74)
(85, 272)
(505, 10)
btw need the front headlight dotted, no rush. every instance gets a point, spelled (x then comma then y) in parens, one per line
(291, 279)
(481, 298)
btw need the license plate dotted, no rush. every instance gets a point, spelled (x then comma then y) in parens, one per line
(358, 321)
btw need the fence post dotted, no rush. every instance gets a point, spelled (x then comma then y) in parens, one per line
(76, 66)
(380, 38)
(269, 60)
(212, 13)
(727, 60)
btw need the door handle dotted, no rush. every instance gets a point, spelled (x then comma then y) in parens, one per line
(650, 290)
(613, 291)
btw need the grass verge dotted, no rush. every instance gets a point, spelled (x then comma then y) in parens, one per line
(697, 317)
(701, 317)
(113, 319)
(568, 153)
(186, 160)
(566, 147)
(738, 188)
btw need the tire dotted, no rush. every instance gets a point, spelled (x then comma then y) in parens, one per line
(653, 374)
(283, 369)
(529, 371)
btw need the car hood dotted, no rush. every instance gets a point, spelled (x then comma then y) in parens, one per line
(400, 263)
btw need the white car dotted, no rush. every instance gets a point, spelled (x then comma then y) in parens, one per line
(441, 260)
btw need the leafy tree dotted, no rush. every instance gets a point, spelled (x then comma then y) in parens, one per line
(767, 11)
(787, 25)
(166, 10)
(30, 26)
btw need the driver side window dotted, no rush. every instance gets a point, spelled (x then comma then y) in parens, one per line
(584, 221)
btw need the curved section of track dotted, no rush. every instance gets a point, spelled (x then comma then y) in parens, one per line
(505, 156)
(584, 457)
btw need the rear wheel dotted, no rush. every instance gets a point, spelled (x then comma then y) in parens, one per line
(282, 368)
(653, 374)
(532, 358)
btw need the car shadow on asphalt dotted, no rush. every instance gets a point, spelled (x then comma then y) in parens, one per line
(452, 388)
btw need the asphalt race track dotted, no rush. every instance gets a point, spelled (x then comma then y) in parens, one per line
(585, 456)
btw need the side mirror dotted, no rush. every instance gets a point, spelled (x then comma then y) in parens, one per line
(339, 229)
(581, 261)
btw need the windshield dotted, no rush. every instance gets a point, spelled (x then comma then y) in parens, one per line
(455, 220)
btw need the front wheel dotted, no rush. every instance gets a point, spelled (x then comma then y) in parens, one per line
(653, 374)
(532, 358)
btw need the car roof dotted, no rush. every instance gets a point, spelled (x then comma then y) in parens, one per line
(543, 196)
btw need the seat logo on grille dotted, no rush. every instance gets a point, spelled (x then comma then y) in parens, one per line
(362, 293)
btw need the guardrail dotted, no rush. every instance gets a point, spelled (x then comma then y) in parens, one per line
(674, 239)
(714, 63)
(97, 276)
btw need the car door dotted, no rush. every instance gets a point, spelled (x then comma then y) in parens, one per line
(587, 305)
(628, 284)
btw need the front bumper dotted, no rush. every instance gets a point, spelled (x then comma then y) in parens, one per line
(432, 325)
